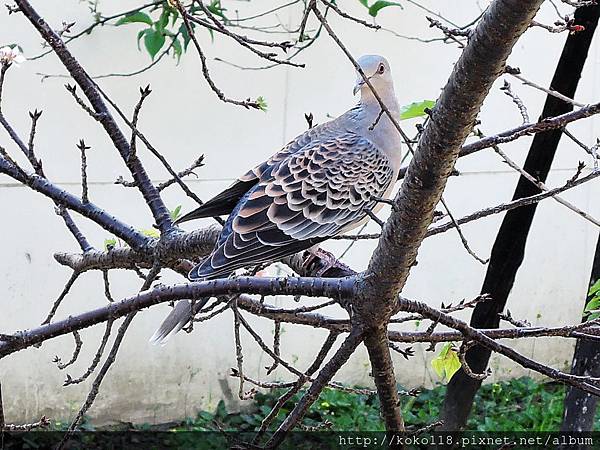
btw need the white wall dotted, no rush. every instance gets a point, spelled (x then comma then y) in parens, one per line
(183, 119)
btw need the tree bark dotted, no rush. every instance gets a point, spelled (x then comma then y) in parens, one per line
(509, 246)
(580, 407)
(452, 119)
(382, 369)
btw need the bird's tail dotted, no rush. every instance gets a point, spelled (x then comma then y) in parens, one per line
(183, 313)
(176, 320)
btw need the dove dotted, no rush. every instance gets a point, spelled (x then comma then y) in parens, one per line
(325, 182)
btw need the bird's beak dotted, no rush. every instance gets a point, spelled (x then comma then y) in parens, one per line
(358, 86)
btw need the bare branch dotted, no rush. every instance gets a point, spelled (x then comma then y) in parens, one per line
(333, 365)
(149, 192)
(516, 72)
(96, 359)
(84, 185)
(543, 187)
(61, 297)
(332, 287)
(461, 235)
(76, 351)
(516, 100)
(349, 17)
(245, 103)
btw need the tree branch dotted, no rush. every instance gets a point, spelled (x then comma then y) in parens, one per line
(148, 190)
(329, 287)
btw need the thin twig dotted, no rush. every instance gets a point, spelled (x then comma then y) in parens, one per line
(276, 346)
(461, 235)
(506, 88)
(462, 352)
(108, 363)
(76, 351)
(84, 185)
(144, 93)
(516, 72)
(544, 188)
(341, 13)
(245, 103)
(61, 297)
(96, 359)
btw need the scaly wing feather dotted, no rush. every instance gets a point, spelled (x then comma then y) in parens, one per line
(224, 202)
(322, 188)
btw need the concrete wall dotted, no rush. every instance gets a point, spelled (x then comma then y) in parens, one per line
(183, 119)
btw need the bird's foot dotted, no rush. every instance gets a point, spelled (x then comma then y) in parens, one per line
(320, 261)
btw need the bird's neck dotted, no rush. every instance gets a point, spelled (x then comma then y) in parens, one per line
(371, 105)
(377, 124)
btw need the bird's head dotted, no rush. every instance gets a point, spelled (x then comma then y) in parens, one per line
(377, 70)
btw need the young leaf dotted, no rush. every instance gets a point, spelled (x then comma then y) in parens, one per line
(174, 16)
(379, 5)
(415, 109)
(175, 213)
(593, 304)
(153, 40)
(151, 232)
(262, 103)
(109, 243)
(446, 363)
(136, 17)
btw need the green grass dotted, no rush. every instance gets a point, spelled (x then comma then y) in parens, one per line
(515, 405)
(521, 404)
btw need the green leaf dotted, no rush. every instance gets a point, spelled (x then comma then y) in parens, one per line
(379, 5)
(151, 232)
(174, 16)
(186, 36)
(595, 288)
(446, 363)
(163, 20)
(593, 304)
(153, 40)
(109, 243)
(364, 3)
(262, 103)
(140, 35)
(136, 17)
(415, 109)
(593, 316)
(175, 213)
(216, 8)
(177, 49)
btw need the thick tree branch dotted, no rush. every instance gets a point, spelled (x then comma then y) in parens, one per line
(508, 250)
(450, 123)
(195, 244)
(328, 287)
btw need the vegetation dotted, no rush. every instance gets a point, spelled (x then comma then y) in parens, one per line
(520, 404)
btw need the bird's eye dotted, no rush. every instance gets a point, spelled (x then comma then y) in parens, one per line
(381, 68)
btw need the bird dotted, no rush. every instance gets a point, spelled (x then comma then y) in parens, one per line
(325, 182)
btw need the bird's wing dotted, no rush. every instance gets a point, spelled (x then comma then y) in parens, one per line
(308, 196)
(224, 202)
